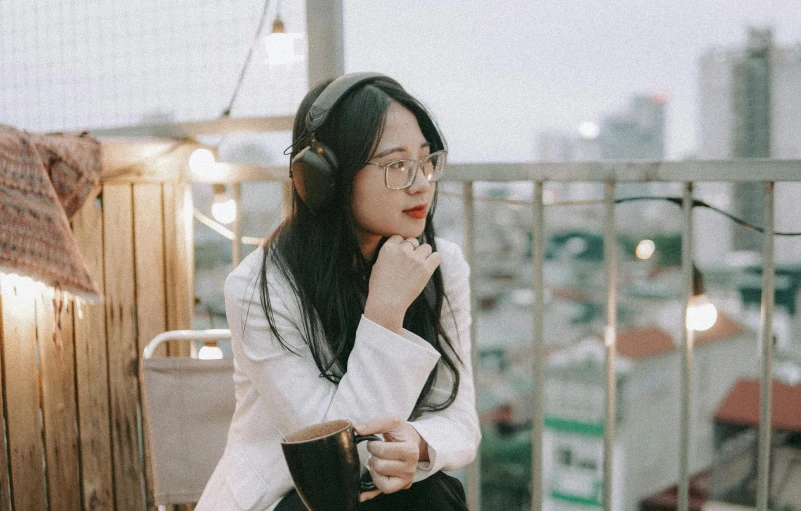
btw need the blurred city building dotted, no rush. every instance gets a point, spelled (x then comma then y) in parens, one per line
(749, 108)
(646, 438)
(634, 133)
(736, 424)
(637, 133)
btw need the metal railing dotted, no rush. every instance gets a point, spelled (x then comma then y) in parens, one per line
(610, 173)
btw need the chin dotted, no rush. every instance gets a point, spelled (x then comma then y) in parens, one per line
(415, 233)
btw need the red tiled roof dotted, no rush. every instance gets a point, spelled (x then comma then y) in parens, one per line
(640, 343)
(741, 405)
(724, 328)
(644, 342)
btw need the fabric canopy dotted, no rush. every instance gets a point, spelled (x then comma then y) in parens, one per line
(44, 180)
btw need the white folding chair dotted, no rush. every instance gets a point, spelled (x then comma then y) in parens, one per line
(188, 403)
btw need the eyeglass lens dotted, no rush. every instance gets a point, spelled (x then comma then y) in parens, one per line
(401, 174)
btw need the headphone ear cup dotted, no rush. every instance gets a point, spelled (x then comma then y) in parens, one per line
(313, 175)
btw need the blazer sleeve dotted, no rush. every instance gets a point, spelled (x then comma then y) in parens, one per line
(385, 374)
(452, 434)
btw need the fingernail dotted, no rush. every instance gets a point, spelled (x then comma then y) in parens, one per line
(359, 426)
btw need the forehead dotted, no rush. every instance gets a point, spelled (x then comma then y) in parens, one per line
(401, 130)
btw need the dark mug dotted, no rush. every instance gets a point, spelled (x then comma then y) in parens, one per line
(324, 465)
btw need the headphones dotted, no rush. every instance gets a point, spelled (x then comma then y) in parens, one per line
(313, 169)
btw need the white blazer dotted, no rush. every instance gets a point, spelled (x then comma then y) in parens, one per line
(278, 392)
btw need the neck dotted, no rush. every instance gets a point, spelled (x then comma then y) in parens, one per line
(368, 244)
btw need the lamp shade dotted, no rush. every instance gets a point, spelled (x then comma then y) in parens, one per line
(44, 180)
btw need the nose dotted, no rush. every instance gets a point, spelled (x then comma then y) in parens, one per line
(420, 183)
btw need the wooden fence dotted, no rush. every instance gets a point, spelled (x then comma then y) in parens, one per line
(72, 413)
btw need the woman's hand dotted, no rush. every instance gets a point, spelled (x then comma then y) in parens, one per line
(394, 461)
(401, 271)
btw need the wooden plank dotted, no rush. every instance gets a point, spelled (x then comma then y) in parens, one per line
(122, 349)
(22, 397)
(179, 261)
(149, 161)
(241, 173)
(150, 286)
(59, 409)
(91, 367)
(191, 129)
(5, 480)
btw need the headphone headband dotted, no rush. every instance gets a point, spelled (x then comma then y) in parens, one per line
(331, 95)
(314, 167)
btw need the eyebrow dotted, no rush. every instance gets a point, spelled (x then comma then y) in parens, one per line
(397, 150)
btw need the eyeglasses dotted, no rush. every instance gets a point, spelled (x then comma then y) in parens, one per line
(400, 174)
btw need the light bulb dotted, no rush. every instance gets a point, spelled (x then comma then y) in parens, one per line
(224, 211)
(701, 314)
(201, 162)
(209, 353)
(645, 249)
(24, 287)
(281, 47)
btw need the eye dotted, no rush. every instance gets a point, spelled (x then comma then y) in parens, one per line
(399, 166)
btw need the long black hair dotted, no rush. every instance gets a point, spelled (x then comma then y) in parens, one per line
(319, 254)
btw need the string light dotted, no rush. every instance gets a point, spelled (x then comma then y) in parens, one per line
(645, 249)
(24, 287)
(208, 352)
(701, 313)
(201, 162)
(282, 48)
(224, 209)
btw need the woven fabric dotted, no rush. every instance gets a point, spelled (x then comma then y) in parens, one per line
(44, 180)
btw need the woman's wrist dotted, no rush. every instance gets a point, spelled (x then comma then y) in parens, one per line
(384, 316)
(423, 450)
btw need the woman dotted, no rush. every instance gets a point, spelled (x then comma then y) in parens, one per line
(353, 310)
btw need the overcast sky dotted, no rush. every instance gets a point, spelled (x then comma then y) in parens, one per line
(497, 73)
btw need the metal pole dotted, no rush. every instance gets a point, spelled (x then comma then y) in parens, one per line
(687, 348)
(326, 43)
(610, 257)
(766, 338)
(236, 245)
(474, 470)
(538, 364)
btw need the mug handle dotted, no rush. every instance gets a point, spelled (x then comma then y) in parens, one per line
(366, 485)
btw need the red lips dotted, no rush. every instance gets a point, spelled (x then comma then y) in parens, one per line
(417, 212)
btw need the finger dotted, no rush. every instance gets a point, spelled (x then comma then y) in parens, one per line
(388, 484)
(367, 495)
(395, 239)
(433, 261)
(393, 450)
(380, 424)
(424, 250)
(409, 244)
(413, 242)
(392, 468)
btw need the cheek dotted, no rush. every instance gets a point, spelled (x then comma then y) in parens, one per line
(374, 211)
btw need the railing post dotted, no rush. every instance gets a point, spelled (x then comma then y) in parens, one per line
(236, 243)
(687, 348)
(610, 336)
(766, 338)
(538, 363)
(474, 470)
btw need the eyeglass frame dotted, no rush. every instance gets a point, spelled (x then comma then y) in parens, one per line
(419, 165)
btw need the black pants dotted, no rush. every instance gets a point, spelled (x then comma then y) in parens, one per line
(438, 492)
